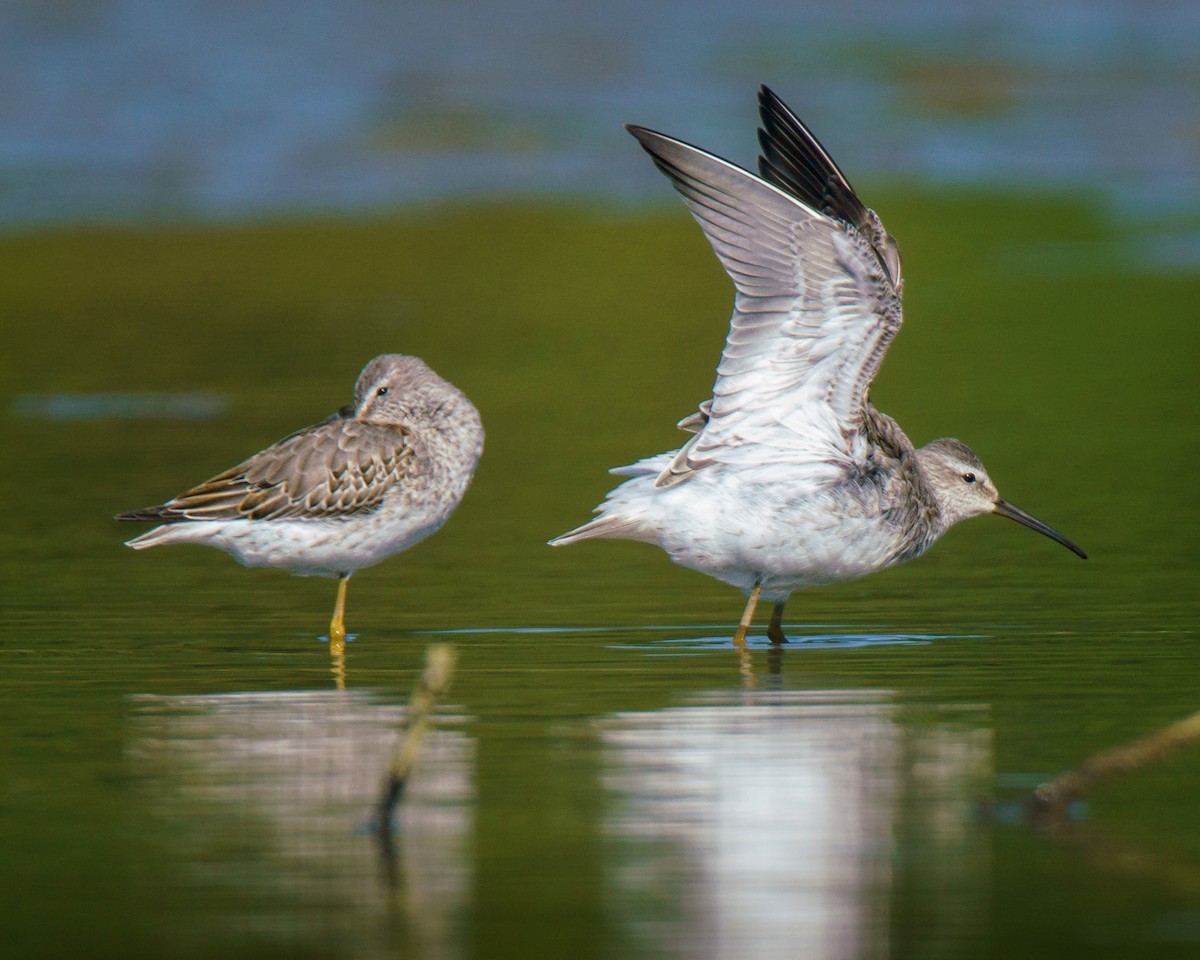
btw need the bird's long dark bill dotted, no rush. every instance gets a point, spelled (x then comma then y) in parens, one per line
(1006, 509)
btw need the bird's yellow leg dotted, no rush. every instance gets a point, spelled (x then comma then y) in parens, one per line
(337, 634)
(739, 636)
(775, 630)
(337, 627)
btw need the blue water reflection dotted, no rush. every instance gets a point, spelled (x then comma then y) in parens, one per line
(706, 636)
(69, 407)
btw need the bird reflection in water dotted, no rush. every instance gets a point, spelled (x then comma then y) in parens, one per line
(337, 661)
(767, 824)
(265, 794)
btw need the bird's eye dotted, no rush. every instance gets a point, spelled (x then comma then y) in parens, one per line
(968, 478)
(381, 392)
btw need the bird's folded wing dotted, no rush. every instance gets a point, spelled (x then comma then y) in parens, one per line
(814, 312)
(339, 468)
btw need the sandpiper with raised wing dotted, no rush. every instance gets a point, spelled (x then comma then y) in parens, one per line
(792, 478)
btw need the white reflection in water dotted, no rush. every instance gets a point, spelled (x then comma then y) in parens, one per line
(794, 825)
(269, 794)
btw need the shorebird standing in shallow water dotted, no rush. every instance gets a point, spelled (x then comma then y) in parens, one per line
(792, 478)
(369, 481)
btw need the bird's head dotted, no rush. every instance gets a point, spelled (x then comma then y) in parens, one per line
(392, 386)
(962, 488)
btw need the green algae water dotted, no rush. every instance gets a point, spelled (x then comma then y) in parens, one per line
(607, 777)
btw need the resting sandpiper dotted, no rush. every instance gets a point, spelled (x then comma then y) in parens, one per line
(792, 478)
(369, 481)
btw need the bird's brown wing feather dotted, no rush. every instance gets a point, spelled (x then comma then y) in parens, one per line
(335, 469)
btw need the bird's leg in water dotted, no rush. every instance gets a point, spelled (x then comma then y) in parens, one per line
(775, 630)
(739, 636)
(337, 627)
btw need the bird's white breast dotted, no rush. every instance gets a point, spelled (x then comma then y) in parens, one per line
(749, 526)
(314, 547)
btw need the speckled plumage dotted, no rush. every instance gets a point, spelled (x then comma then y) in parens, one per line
(367, 482)
(791, 477)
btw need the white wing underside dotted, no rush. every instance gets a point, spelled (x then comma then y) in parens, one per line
(813, 315)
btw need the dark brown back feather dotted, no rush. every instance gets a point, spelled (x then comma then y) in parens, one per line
(338, 468)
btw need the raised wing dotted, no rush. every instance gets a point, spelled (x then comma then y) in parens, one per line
(339, 468)
(794, 160)
(814, 312)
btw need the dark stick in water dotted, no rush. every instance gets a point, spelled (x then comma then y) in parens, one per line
(434, 681)
(1052, 798)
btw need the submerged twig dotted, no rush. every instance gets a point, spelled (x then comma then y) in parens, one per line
(433, 683)
(1052, 798)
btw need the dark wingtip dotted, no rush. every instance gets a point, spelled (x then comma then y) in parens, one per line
(644, 135)
(659, 146)
(146, 513)
(771, 108)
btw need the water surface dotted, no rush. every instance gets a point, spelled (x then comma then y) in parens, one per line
(608, 778)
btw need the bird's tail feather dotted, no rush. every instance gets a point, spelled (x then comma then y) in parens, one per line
(145, 513)
(167, 533)
(607, 526)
